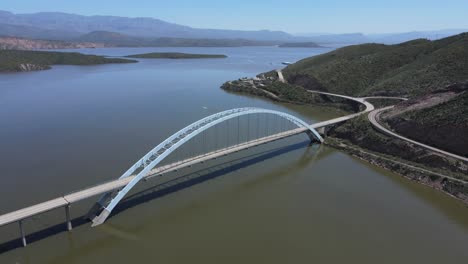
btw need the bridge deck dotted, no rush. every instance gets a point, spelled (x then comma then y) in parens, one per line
(116, 184)
(32, 210)
(119, 183)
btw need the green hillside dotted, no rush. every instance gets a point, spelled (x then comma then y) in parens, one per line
(16, 60)
(410, 68)
(444, 125)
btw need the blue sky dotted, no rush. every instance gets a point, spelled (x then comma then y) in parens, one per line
(333, 16)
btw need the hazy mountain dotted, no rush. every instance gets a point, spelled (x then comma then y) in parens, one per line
(389, 38)
(351, 38)
(36, 32)
(141, 27)
(69, 27)
(402, 37)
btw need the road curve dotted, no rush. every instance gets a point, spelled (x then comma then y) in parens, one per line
(374, 117)
(385, 97)
(362, 100)
(280, 76)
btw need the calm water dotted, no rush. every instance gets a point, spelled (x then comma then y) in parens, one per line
(285, 202)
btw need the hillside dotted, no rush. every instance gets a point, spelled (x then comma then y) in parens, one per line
(438, 119)
(14, 43)
(411, 68)
(16, 61)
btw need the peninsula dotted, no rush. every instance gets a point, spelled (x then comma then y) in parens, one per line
(22, 60)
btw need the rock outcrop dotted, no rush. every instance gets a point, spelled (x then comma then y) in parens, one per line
(26, 67)
(14, 43)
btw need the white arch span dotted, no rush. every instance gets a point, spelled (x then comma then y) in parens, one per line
(161, 151)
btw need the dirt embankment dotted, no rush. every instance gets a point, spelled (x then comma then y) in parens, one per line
(358, 138)
(439, 119)
(9, 43)
(26, 67)
(361, 133)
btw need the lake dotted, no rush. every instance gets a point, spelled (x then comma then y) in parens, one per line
(72, 127)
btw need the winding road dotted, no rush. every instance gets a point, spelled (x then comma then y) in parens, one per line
(373, 117)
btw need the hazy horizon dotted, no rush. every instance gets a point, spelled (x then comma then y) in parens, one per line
(298, 17)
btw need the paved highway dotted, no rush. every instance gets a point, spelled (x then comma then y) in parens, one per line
(280, 76)
(374, 119)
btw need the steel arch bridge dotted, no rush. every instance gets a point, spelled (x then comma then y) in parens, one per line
(143, 166)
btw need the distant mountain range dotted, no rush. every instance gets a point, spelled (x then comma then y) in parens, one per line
(389, 38)
(54, 25)
(124, 31)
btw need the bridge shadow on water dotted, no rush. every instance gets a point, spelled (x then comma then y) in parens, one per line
(163, 189)
(196, 177)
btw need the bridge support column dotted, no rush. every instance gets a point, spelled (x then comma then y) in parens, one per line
(99, 219)
(67, 215)
(322, 131)
(23, 237)
(313, 138)
(98, 206)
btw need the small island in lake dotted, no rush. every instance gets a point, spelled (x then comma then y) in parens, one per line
(300, 45)
(27, 60)
(176, 55)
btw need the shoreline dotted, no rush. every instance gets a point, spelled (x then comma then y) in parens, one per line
(449, 185)
(446, 184)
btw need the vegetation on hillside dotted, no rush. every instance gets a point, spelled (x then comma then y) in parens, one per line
(16, 60)
(359, 132)
(412, 68)
(444, 125)
(284, 92)
(176, 55)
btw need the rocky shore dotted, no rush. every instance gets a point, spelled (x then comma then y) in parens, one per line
(438, 180)
(26, 67)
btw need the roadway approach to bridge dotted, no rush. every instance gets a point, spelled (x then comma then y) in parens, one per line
(374, 114)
